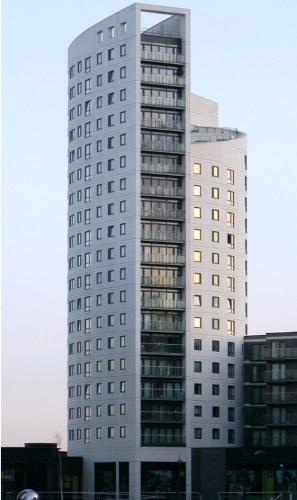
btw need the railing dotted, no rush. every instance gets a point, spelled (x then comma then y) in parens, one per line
(289, 441)
(286, 353)
(213, 134)
(163, 147)
(160, 168)
(162, 303)
(163, 440)
(163, 79)
(159, 348)
(162, 57)
(108, 495)
(162, 190)
(163, 124)
(167, 102)
(290, 419)
(161, 281)
(163, 259)
(163, 416)
(163, 326)
(168, 394)
(156, 213)
(290, 375)
(176, 237)
(257, 495)
(162, 371)
(288, 397)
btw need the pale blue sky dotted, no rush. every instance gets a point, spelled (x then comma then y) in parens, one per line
(244, 55)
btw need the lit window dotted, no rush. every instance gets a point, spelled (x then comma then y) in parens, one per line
(123, 72)
(197, 256)
(215, 280)
(197, 234)
(98, 432)
(215, 171)
(197, 168)
(196, 190)
(231, 327)
(215, 193)
(230, 176)
(197, 322)
(230, 198)
(215, 258)
(231, 262)
(197, 278)
(99, 36)
(110, 432)
(215, 236)
(215, 214)
(197, 212)
(230, 284)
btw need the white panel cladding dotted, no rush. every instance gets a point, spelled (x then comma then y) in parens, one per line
(224, 155)
(105, 212)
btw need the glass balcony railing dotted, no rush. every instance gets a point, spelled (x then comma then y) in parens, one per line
(167, 394)
(289, 441)
(152, 303)
(169, 236)
(163, 79)
(162, 191)
(167, 102)
(162, 326)
(162, 169)
(282, 420)
(163, 124)
(162, 371)
(159, 348)
(288, 376)
(162, 57)
(163, 147)
(162, 281)
(162, 440)
(287, 397)
(156, 213)
(163, 259)
(285, 353)
(163, 416)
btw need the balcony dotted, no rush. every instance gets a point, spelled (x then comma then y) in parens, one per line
(162, 440)
(160, 281)
(280, 420)
(288, 376)
(163, 147)
(162, 169)
(162, 102)
(175, 81)
(289, 441)
(286, 353)
(163, 214)
(159, 236)
(163, 326)
(173, 192)
(162, 57)
(174, 260)
(286, 398)
(150, 303)
(162, 348)
(162, 371)
(168, 417)
(163, 124)
(163, 393)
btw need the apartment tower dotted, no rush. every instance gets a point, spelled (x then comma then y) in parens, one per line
(157, 259)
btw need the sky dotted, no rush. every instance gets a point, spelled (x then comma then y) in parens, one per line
(244, 56)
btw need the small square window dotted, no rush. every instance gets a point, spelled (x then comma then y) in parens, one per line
(197, 256)
(197, 168)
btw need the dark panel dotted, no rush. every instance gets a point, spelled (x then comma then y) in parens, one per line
(208, 471)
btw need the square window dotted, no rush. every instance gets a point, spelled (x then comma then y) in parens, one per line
(197, 256)
(197, 433)
(215, 433)
(215, 367)
(197, 344)
(197, 322)
(197, 212)
(197, 300)
(196, 190)
(197, 234)
(216, 411)
(197, 168)
(216, 346)
(197, 278)
(197, 411)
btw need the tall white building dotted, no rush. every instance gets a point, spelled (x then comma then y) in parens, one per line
(157, 259)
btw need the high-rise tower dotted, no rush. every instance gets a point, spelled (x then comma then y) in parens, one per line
(157, 258)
